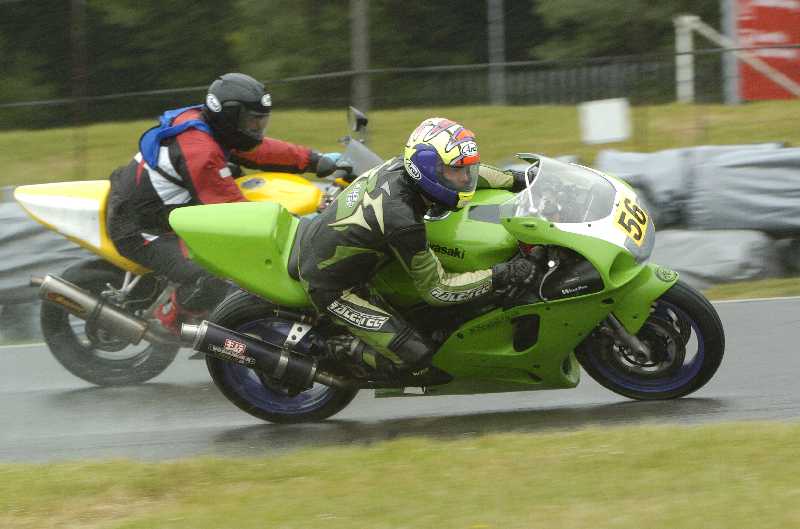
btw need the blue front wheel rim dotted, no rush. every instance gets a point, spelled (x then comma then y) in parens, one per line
(676, 376)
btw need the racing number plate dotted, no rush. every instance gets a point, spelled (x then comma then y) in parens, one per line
(631, 219)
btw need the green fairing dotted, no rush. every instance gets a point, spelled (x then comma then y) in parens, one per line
(480, 354)
(480, 244)
(618, 269)
(250, 244)
(635, 298)
(246, 242)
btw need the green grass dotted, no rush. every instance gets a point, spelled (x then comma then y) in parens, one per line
(764, 288)
(92, 152)
(715, 477)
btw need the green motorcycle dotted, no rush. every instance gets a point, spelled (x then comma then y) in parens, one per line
(634, 327)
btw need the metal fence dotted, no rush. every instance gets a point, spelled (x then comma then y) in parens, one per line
(643, 79)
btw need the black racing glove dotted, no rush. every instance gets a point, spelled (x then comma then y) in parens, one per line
(517, 272)
(519, 180)
(323, 163)
(236, 169)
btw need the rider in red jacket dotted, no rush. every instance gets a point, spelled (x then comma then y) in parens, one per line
(184, 161)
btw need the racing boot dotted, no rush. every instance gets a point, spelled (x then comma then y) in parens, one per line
(365, 362)
(171, 315)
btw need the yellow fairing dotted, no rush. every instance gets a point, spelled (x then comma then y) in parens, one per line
(76, 210)
(293, 192)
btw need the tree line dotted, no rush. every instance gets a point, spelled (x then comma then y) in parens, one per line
(144, 45)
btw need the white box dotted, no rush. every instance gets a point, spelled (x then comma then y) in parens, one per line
(605, 121)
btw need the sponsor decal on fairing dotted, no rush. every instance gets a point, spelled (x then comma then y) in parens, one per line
(445, 250)
(573, 290)
(666, 275)
(253, 183)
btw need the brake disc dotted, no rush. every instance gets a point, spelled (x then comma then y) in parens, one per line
(667, 350)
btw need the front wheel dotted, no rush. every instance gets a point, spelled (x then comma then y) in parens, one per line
(95, 355)
(255, 393)
(686, 340)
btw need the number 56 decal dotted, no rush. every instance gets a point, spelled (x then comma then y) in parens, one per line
(632, 220)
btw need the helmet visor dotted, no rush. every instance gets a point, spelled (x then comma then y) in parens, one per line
(463, 179)
(253, 123)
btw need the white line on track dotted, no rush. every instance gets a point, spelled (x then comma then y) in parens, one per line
(22, 345)
(786, 298)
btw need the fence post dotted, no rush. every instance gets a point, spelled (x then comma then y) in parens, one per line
(730, 65)
(684, 57)
(497, 52)
(359, 54)
(80, 77)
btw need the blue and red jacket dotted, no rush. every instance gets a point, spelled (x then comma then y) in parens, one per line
(187, 167)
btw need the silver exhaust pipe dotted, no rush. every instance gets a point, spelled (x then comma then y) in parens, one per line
(90, 308)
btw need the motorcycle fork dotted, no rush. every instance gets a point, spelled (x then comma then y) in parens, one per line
(631, 340)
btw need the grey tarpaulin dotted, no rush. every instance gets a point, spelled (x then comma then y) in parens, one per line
(708, 257)
(753, 190)
(26, 249)
(666, 179)
(29, 249)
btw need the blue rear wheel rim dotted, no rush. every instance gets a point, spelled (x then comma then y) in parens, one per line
(248, 385)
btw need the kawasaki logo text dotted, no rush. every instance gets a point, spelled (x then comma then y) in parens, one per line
(452, 252)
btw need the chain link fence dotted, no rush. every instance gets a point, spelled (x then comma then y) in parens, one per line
(646, 79)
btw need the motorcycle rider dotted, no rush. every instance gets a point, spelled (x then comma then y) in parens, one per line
(184, 161)
(379, 217)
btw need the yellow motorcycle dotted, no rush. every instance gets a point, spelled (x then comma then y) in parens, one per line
(96, 316)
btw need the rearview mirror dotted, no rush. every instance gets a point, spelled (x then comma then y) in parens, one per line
(356, 120)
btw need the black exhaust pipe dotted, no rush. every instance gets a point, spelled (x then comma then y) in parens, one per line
(275, 361)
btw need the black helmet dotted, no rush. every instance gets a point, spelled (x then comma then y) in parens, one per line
(237, 109)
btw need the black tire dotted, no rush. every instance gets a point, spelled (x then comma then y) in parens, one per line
(687, 321)
(243, 312)
(116, 366)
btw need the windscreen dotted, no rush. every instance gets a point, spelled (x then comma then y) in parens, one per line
(562, 192)
(360, 156)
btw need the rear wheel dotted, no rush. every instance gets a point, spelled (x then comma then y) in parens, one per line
(687, 342)
(93, 354)
(255, 393)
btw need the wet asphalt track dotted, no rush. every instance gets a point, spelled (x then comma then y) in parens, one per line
(47, 414)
